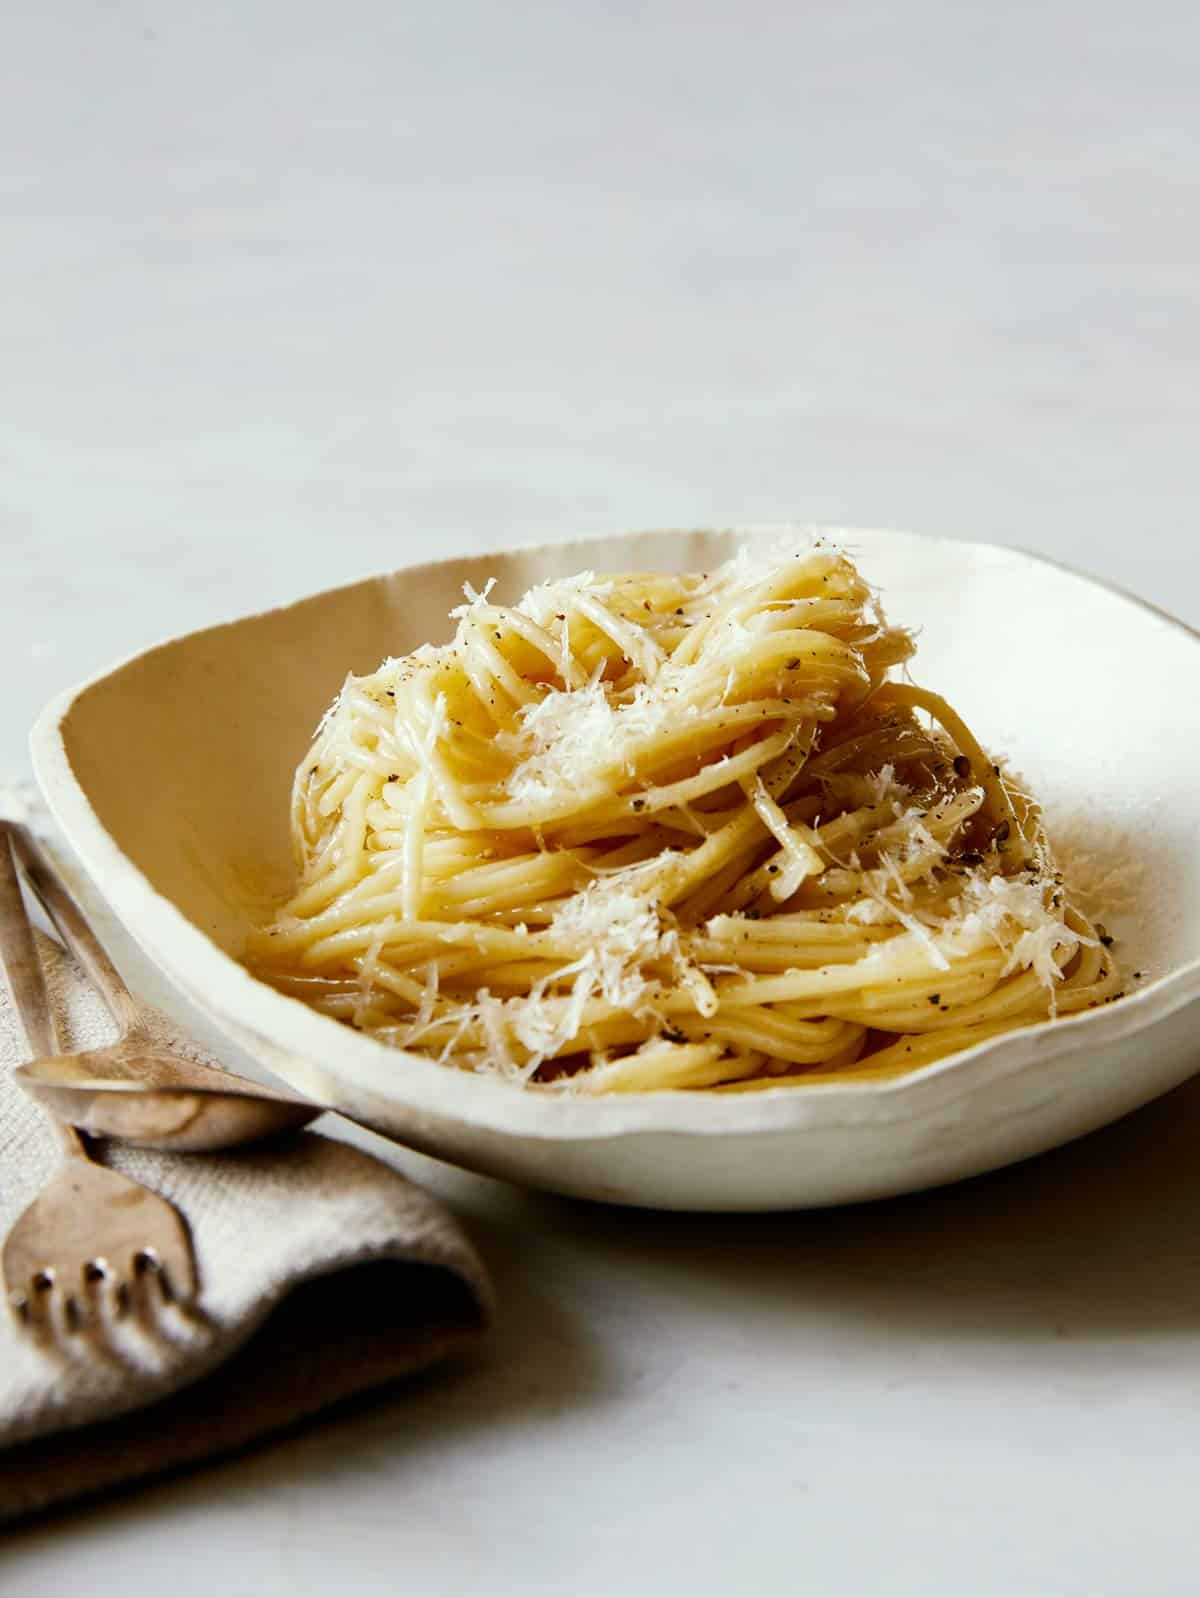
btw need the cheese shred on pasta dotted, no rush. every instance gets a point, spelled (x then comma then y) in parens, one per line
(651, 830)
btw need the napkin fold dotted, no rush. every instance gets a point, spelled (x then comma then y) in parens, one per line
(323, 1273)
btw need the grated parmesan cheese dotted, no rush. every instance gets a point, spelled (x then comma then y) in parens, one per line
(567, 733)
(638, 697)
(754, 564)
(1015, 914)
(624, 932)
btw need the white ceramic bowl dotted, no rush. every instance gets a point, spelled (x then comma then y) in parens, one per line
(170, 776)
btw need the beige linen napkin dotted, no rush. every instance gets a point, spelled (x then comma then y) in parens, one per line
(323, 1272)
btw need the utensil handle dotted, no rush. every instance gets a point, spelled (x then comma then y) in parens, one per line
(19, 957)
(27, 980)
(74, 930)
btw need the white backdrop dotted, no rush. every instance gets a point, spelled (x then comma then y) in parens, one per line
(291, 291)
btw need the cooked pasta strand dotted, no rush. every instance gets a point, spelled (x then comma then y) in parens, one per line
(649, 831)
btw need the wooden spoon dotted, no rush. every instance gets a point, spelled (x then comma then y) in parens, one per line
(137, 1089)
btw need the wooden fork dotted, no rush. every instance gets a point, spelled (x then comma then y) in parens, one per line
(91, 1235)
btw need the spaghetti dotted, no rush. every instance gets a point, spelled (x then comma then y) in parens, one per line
(653, 830)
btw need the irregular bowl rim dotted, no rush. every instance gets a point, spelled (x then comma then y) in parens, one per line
(488, 1104)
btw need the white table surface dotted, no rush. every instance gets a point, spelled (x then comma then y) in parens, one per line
(291, 292)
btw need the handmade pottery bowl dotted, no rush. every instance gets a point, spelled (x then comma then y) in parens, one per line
(170, 777)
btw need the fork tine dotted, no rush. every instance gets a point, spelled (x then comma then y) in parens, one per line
(93, 1279)
(97, 1295)
(95, 1272)
(153, 1270)
(152, 1285)
(42, 1314)
(40, 1293)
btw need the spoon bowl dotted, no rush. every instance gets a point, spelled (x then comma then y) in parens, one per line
(137, 1089)
(173, 1104)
